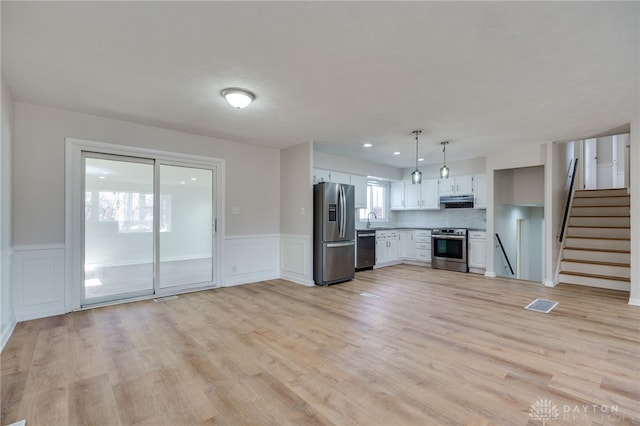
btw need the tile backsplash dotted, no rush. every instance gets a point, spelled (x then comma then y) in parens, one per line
(444, 218)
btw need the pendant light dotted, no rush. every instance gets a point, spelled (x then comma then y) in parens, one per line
(238, 98)
(416, 175)
(444, 170)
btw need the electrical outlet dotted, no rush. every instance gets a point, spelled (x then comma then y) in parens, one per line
(235, 210)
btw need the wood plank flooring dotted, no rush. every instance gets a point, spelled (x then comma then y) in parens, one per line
(435, 347)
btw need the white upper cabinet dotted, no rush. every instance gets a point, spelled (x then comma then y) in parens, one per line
(397, 196)
(360, 184)
(320, 175)
(480, 191)
(457, 185)
(422, 196)
(339, 177)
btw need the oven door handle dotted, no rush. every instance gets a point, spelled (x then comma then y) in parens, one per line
(447, 237)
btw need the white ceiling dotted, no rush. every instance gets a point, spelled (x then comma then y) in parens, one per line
(480, 74)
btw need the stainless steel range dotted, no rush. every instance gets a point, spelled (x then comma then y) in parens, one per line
(449, 249)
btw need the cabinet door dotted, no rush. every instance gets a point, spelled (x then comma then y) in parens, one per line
(480, 191)
(339, 177)
(406, 245)
(477, 253)
(412, 196)
(447, 186)
(396, 200)
(392, 249)
(464, 185)
(381, 247)
(430, 199)
(360, 194)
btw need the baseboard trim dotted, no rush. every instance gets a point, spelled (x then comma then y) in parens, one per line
(6, 334)
(634, 302)
(549, 283)
(297, 280)
(490, 274)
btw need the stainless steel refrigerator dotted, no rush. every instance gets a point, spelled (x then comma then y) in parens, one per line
(333, 233)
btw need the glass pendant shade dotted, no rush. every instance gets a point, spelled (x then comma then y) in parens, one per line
(416, 176)
(444, 172)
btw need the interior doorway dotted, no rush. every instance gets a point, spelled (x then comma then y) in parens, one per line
(605, 162)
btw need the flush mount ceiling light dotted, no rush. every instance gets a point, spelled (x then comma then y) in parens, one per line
(416, 175)
(444, 170)
(238, 98)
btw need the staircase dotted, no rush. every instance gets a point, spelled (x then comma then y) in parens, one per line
(596, 248)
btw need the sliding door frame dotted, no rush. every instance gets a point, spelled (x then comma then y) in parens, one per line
(74, 209)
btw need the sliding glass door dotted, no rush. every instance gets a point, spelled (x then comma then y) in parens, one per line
(186, 226)
(148, 227)
(118, 227)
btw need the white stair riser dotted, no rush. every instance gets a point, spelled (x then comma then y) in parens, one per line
(606, 201)
(597, 269)
(594, 282)
(598, 232)
(597, 256)
(601, 193)
(600, 211)
(600, 221)
(590, 243)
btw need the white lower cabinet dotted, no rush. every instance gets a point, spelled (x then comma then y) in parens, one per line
(477, 251)
(386, 247)
(403, 245)
(406, 245)
(422, 239)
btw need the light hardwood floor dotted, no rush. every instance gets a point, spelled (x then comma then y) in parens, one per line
(435, 347)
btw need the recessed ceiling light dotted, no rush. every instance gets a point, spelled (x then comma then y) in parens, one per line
(420, 159)
(101, 177)
(238, 98)
(396, 153)
(194, 179)
(182, 182)
(367, 145)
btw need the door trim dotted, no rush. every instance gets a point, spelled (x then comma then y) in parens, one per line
(74, 210)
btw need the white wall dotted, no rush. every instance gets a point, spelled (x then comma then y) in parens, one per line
(476, 166)
(252, 180)
(634, 187)
(251, 184)
(7, 312)
(322, 160)
(510, 157)
(296, 218)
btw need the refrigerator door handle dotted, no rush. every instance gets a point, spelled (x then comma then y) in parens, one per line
(342, 201)
(345, 244)
(339, 211)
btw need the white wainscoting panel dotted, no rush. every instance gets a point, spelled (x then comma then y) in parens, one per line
(7, 309)
(38, 281)
(296, 259)
(250, 258)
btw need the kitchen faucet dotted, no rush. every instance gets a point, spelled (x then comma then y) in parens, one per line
(369, 218)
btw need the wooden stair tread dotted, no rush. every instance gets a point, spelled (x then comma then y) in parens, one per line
(604, 206)
(595, 262)
(599, 238)
(604, 277)
(599, 226)
(597, 249)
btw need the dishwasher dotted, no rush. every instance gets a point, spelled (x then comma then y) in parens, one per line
(366, 249)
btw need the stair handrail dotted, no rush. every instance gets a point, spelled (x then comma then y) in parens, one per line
(504, 253)
(568, 205)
